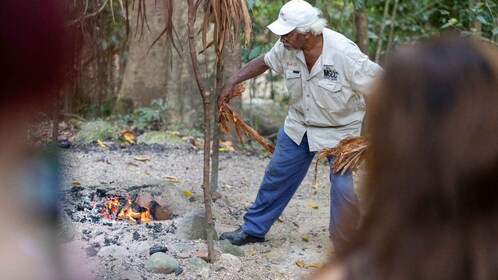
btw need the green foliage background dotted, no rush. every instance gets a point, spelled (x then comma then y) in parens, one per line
(414, 20)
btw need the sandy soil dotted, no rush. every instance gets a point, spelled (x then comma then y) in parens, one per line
(294, 246)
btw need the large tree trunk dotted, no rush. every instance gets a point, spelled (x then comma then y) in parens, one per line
(162, 73)
(145, 73)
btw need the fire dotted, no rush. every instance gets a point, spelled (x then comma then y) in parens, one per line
(126, 210)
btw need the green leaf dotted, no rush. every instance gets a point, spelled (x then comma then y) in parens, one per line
(482, 19)
(444, 12)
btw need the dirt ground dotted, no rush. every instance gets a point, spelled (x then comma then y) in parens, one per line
(296, 245)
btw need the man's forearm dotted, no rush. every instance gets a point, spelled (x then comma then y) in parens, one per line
(252, 69)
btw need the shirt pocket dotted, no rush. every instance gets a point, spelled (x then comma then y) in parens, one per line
(331, 96)
(293, 83)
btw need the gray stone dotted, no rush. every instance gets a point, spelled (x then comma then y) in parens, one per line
(113, 251)
(142, 248)
(65, 228)
(171, 202)
(227, 247)
(93, 131)
(201, 267)
(161, 263)
(229, 262)
(193, 226)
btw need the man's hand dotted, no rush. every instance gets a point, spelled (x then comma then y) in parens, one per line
(225, 94)
(252, 69)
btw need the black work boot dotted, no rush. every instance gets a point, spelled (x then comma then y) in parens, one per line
(239, 237)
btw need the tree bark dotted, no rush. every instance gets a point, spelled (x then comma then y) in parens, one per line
(362, 29)
(207, 133)
(381, 33)
(215, 158)
(142, 84)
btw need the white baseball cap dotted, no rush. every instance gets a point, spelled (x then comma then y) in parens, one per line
(295, 13)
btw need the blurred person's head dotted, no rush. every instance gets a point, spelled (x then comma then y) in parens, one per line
(31, 57)
(433, 181)
(31, 53)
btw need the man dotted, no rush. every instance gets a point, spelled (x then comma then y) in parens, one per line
(326, 75)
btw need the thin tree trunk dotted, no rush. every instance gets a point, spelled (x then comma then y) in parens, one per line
(391, 31)
(381, 33)
(477, 25)
(207, 133)
(215, 157)
(362, 27)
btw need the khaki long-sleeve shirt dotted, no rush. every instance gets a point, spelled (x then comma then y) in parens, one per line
(328, 102)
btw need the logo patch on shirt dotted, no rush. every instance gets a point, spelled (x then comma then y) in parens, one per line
(330, 73)
(291, 64)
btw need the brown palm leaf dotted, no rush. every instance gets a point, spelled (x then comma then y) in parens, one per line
(349, 153)
(228, 115)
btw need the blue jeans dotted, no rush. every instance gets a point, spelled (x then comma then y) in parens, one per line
(283, 175)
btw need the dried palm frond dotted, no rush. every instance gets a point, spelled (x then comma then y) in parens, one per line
(226, 17)
(228, 115)
(349, 153)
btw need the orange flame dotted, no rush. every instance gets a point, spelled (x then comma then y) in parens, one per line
(126, 212)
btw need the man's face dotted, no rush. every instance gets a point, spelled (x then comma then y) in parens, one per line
(293, 40)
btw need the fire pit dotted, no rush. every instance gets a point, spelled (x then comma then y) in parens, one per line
(106, 207)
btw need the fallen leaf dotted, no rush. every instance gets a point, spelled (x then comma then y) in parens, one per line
(281, 219)
(315, 265)
(127, 135)
(252, 252)
(172, 179)
(140, 159)
(227, 145)
(300, 263)
(129, 138)
(312, 205)
(228, 186)
(305, 238)
(132, 163)
(75, 183)
(187, 193)
(316, 186)
(101, 144)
